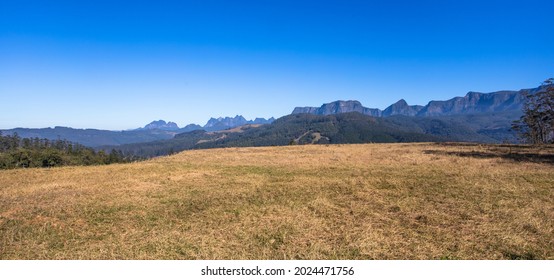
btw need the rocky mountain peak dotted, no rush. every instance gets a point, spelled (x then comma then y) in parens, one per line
(401, 103)
(226, 122)
(161, 125)
(401, 107)
(338, 107)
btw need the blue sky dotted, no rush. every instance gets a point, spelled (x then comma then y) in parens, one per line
(100, 64)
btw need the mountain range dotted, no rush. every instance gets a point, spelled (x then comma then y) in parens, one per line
(156, 130)
(352, 127)
(471, 103)
(213, 124)
(226, 123)
(161, 125)
(478, 117)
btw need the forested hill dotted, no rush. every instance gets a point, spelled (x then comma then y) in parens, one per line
(17, 152)
(331, 129)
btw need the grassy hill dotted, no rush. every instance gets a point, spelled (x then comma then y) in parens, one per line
(365, 201)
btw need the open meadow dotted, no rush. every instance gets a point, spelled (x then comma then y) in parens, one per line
(366, 201)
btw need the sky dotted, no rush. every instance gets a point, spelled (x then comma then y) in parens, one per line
(122, 64)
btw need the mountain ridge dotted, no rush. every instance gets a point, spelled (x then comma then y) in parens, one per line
(153, 131)
(220, 123)
(475, 110)
(161, 125)
(213, 124)
(472, 102)
(343, 128)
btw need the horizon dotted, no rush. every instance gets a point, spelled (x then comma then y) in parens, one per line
(237, 115)
(120, 66)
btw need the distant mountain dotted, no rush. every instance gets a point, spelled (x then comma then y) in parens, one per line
(471, 103)
(401, 108)
(213, 124)
(350, 127)
(338, 107)
(476, 102)
(156, 130)
(226, 123)
(480, 117)
(190, 127)
(161, 125)
(93, 137)
(476, 117)
(262, 121)
(300, 129)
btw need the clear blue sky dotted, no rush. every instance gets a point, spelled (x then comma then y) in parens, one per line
(102, 64)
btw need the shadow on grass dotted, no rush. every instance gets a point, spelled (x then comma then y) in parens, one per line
(517, 153)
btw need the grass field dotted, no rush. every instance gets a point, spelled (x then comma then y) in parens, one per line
(371, 201)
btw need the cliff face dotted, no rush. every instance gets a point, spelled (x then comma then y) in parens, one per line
(338, 107)
(476, 102)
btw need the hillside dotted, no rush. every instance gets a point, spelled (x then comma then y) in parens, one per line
(371, 201)
(327, 129)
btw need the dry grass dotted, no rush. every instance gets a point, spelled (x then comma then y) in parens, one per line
(374, 201)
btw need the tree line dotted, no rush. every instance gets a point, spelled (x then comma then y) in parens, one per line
(17, 152)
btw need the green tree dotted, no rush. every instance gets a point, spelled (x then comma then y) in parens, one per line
(51, 158)
(536, 126)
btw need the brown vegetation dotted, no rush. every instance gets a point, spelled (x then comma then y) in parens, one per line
(371, 201)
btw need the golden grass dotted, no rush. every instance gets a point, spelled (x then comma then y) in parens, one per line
(371, 201)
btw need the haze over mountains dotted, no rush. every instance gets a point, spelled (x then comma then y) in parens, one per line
(478, 117)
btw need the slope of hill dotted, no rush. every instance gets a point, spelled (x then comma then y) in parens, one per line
(316, 129)
(370, 201)
(495, 125)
